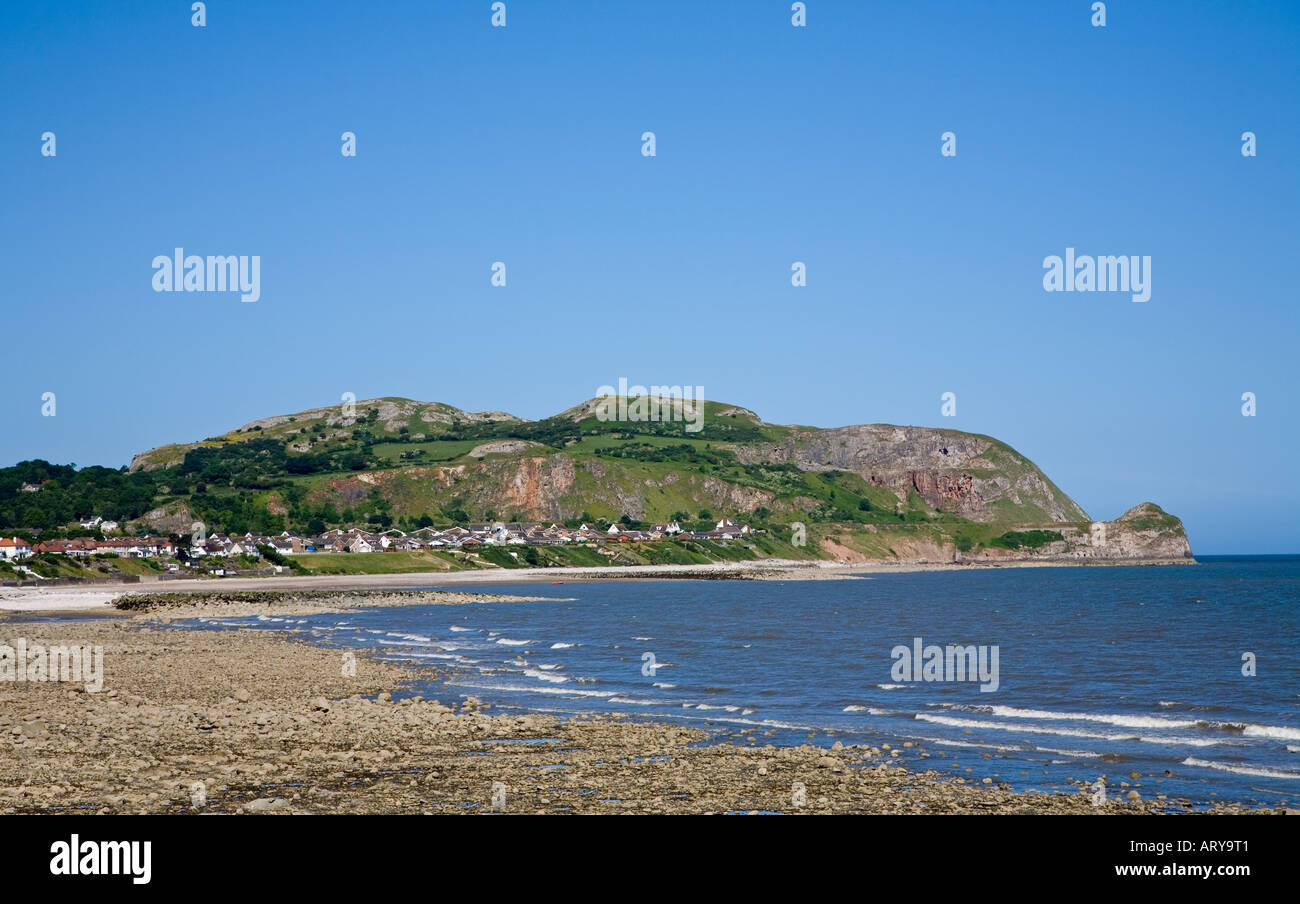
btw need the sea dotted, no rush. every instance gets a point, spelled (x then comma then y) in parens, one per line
(1187, 677)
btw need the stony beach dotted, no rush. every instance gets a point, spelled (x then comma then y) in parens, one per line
(245, 721)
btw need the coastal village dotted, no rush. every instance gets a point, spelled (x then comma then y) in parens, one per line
(217, 546)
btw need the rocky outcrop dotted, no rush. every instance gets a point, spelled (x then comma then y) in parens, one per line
(502, 447)
(159, 457)
(1143, 533)
(964, 473)
(174, 518)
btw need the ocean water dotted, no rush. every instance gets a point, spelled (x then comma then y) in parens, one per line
(1101, 671)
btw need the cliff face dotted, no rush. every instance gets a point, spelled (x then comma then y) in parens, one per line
(964, 473)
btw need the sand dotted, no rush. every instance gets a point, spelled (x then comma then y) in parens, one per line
(55, 599)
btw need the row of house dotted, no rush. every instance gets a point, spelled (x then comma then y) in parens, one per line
(130, 547)
(357, 540)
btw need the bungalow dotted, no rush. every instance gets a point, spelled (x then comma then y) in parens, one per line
(243, 548)
(114, 548)
(359, 544)
(79, 547)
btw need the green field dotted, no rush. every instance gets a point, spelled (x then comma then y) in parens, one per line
(432, 452)
(401, 562)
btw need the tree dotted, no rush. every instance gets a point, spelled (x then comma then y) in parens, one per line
(35, 517)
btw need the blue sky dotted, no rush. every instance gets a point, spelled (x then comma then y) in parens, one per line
(774, 144)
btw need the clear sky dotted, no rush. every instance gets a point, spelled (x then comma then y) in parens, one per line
(775, 144)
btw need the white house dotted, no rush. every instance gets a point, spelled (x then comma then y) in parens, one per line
(14, 549)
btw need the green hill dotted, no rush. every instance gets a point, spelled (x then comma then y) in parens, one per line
(875, 491)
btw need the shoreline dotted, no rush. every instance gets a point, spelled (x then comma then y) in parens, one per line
(247, 721)
(99, 597)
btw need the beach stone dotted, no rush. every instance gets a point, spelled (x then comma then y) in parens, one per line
(266, 804)
(1133, 795)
